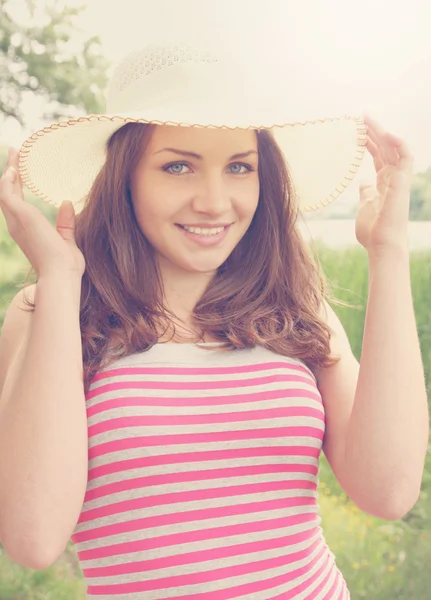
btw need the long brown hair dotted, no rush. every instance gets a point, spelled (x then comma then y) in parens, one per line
(269, 291)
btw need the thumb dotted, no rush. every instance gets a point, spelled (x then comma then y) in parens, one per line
(65, 223)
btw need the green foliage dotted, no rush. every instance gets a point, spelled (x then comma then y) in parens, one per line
(420, 200)
(62, 581)
(44, 54)
(380, 560)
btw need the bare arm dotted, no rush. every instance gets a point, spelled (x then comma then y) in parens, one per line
(377, 422)
(43, 427)
(389, 426)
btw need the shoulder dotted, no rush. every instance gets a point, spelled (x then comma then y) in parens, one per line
(339, 343)
(337, 383)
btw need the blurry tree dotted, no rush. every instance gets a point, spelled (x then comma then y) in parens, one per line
(44, 53)
(420, 200)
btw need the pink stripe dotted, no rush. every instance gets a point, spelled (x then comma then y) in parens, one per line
(198, 475)
(151, 370)
(197, 515)
(192, 439)
(302, 587)
(199, 556)
(321, 585)
(194, 385)
(330, 594)
(206, 576)
(190, 401)
(284, 412)
(344, 594)
(200, 457)
(193, 496)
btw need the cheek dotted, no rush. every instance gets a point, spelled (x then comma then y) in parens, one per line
(151, 203)
(248, 198)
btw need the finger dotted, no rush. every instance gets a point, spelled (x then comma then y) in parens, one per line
(373, 124)
(375, 153)
(375, 130)
(367, 192)
(405, 157)
(383, 140)
(8, 164)
(12, 166)
(14, 162)
(387, 151)
(11, 193)
(7, 202)
(12, 159)
(66, 215)
(65, 223)
(13, 156)
(8, 184)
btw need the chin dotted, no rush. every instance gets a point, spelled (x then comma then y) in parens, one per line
(200, 261)
(199, 266)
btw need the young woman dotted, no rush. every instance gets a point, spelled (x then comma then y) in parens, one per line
(166, 399)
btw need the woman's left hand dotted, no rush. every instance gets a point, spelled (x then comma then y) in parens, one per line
(383, 214)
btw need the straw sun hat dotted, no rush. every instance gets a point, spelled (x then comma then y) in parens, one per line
(181, 85)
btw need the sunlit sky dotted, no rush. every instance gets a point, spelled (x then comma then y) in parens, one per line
(363, 55)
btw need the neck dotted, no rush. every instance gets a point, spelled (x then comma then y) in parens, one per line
(182, 291)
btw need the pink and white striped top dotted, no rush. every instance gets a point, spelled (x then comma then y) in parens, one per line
(203, 469)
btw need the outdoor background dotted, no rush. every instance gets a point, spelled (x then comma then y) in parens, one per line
(335, 55)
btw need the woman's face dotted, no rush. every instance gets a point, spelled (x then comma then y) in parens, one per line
(196, 178)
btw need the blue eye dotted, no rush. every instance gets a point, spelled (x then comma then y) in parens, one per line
(247, 167)
(171, 168)
(176, 168)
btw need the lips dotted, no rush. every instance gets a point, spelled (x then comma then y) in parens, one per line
(204, 225)
(202, 239)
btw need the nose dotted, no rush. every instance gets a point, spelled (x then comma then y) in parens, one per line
(213, 196)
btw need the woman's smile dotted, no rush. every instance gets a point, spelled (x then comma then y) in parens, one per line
(205, 236)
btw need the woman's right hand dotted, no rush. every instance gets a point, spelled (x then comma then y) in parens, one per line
(51, 251)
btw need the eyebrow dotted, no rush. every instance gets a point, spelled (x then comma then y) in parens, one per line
(200, 157)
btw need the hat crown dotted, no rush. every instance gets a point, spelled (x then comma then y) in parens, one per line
(146, 73)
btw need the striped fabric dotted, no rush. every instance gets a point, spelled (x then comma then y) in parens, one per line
(203, 469)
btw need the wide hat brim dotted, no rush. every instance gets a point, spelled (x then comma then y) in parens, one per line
(61, 162)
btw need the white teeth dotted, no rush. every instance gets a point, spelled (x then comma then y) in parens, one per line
(202, 231)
